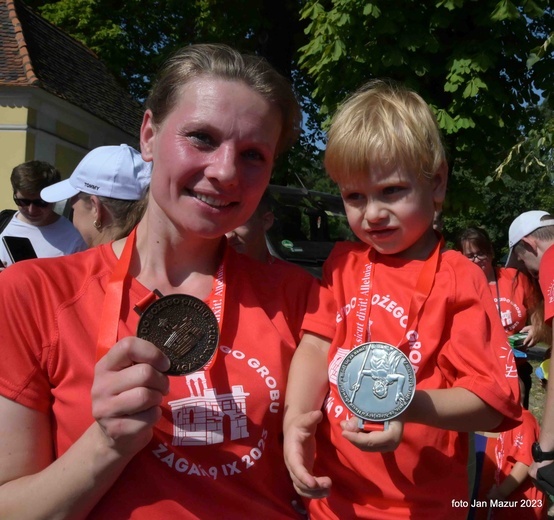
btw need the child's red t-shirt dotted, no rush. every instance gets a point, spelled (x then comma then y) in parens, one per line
(527, 502)
(458, 341)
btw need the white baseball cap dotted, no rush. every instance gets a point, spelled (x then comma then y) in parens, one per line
(117, 172)
(525, 224)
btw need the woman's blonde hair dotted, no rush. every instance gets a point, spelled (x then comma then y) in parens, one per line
(126, 214)
(383, 126)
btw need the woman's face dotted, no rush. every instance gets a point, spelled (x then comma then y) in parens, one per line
(212, 156)
(481, 258)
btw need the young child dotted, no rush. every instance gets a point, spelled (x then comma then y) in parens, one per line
(513, 488)
(398, 287)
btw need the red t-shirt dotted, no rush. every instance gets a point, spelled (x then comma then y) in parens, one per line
(516, 293)
(515, 446)
(457, 342)
(217, 451)
(546, 280)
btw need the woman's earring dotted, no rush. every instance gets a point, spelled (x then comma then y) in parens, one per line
(97, 224)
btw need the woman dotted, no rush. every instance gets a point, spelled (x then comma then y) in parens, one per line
(513, 293)
(119, 438)
(107, 193)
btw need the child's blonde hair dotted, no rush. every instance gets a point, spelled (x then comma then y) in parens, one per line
(386, 126)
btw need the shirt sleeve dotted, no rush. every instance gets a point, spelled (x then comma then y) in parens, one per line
(321, 314)
(22, 336)
(546, 280)
(477, 355)
(522, 438)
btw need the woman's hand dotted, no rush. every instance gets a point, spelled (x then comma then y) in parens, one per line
(128, 389)
(377, 440)
(299, 450)
(531, 340)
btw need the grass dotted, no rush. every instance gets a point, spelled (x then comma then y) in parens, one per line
(537, 396)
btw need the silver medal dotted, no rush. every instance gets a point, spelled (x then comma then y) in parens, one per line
(376, 382)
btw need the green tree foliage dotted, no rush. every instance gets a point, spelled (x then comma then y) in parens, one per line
(534, 150)
(467, 58)
(481, 64)
(134, 37)
(494, 207)
(524, 181)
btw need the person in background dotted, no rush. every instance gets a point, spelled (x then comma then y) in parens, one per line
(531, 241)
(50, 234)
(397, 290)
(249, 239)
(513, 294)
(92, 425)
(107, 193)
(512, 483)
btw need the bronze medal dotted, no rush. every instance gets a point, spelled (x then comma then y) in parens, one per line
(184, 328)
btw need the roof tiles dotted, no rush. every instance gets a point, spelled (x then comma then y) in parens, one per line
(35, 53)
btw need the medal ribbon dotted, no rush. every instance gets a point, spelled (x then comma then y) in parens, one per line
(111, 308)
(422, 290)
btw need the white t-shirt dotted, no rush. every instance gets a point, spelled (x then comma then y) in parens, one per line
(56, 239)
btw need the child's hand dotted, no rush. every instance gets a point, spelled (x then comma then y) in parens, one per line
(299, 448)
(386, 440)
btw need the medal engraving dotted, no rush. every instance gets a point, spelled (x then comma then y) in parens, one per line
(376, 382)
(184, 328)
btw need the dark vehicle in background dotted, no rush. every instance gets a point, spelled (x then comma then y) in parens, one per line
(307, 225)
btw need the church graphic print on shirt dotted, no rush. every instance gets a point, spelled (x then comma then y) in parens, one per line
(207, 418)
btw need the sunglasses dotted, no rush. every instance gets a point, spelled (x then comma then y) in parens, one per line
(39, 203)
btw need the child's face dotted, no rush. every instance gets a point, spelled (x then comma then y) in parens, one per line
(393, 212)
